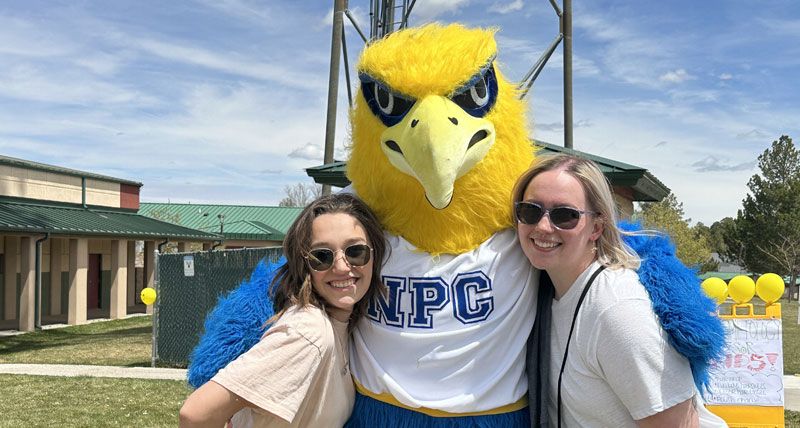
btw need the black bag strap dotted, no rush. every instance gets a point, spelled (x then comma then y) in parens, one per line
(538, 354)
(569, 338)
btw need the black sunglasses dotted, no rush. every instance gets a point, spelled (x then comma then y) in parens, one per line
(322, 259)
(563, 218)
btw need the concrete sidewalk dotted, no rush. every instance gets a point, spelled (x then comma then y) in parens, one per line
(791, 393)
(94, 371)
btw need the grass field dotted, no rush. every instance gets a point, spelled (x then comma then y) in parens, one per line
(44, 401)
(125, 342)
(791, 339)
(101, 402)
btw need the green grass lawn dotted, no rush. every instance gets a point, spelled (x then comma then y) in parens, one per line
(125, 342)
(791, 339)
(45, 401)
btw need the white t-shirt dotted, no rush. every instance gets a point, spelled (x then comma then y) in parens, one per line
(298, 373)
(620, 367)
(452, 334)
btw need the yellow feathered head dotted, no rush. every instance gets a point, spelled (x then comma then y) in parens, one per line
(438, 137)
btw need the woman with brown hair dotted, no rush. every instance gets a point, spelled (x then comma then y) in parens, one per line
(298, 375)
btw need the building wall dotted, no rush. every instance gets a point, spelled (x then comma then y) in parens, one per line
(625, 206)
(623, 196)
(96, 246)
(50, 186)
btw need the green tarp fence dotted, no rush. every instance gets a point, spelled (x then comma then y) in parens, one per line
(188, 287)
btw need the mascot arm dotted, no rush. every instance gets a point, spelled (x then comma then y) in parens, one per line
(686, 313)
(234, 325)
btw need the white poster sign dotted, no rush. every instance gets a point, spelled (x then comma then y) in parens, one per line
(188, 265)
(751, 374)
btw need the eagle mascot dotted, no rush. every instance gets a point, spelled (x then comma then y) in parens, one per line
(439, 138)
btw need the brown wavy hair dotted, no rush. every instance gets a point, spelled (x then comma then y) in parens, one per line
(292, 283)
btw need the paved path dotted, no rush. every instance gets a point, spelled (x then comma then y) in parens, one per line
(94, 371)
(791, 393)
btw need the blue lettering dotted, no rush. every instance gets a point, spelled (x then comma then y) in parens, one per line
(468, 307)
(379, 309)
(427, 295)
(470, 294)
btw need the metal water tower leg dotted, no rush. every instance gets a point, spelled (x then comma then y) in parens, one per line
(567, 21)
(333, 84)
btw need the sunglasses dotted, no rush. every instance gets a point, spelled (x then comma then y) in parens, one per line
(322, 259)
(563, 218)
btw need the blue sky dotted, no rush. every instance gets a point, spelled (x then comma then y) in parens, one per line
(223, 101)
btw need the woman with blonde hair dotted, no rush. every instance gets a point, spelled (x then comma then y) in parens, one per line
(610, 361)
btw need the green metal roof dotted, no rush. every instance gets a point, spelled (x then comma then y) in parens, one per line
(34, 216)
(243, 222)
(644, 185)
(21, 163)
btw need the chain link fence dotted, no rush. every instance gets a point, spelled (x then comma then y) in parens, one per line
(188, 287)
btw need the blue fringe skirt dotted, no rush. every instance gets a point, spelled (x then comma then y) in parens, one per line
(370, 413)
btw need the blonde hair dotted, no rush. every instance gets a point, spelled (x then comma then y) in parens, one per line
(612, 251)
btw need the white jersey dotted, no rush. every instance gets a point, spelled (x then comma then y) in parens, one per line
(451, 333)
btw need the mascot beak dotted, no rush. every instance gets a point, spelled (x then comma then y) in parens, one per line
(437, 142)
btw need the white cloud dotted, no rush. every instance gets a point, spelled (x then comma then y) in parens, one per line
(24, 38)
(676, 76)
(626, 52)
(725, 76)
(249, 11)
(426, 11)
(753, 135)
(232, 63)
(359, 16)
(714, 164)
(504, 8)
(694, 96)
(100, 63)
(309, 151)
(31, 83)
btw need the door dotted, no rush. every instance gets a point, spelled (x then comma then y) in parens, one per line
(93, 281)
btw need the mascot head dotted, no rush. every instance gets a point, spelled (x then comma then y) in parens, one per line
(438, 137)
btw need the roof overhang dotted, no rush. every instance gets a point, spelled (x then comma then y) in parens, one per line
(27, 216)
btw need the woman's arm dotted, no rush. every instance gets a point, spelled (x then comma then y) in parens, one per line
(682, 415)
(211, 405)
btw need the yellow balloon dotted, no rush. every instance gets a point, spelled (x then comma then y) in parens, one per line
(741, 288)
(769, 287)
(716, 289)
(148, 296)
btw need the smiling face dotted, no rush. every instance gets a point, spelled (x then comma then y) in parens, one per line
(564, 254)
(343, 285)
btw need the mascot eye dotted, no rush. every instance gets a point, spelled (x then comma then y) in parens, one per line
(478, 96)
(389, 103)
(388, 106)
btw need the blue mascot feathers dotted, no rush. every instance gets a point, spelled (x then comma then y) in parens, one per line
(686, 314)
(235, 325)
